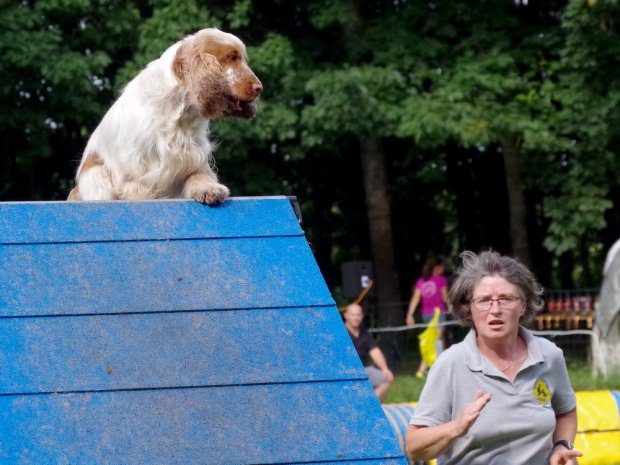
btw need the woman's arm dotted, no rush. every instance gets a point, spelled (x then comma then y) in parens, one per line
(429, 442)
(413, 303)
(565, 428)
(444, 294)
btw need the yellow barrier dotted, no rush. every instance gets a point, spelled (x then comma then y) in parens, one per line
(598, 432)
(598, 437)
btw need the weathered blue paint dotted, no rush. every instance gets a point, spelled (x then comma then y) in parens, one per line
(133, 351)
(52, 222)
(154, 276)
(275, 423)
(167, 332)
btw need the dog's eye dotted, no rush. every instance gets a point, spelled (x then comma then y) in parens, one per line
(232, 57)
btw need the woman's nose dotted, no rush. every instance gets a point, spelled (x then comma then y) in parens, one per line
(495, 308)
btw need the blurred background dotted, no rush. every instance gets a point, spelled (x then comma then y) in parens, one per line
(406, 129)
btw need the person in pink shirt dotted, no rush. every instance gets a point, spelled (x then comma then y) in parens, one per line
(432, 290)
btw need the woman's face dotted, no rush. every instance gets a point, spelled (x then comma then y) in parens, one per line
(497, 322)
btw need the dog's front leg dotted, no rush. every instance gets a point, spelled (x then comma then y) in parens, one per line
(203, 187)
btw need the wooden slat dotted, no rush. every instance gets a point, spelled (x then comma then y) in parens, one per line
(110, 277)
(161, 350)
(49, 222)
(273, 424)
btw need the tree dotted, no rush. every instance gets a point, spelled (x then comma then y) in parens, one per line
(480, 92)
(475, 115)
(592, 113)
(58, 60)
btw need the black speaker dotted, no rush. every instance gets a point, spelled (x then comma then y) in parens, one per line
(355, 278)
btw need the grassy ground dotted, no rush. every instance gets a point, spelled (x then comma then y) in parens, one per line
(407, 388)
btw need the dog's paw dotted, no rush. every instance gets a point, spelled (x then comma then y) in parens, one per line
(211, 195)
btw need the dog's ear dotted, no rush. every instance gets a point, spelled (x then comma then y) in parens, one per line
(201, 76)
(178, 64)
(191, 61)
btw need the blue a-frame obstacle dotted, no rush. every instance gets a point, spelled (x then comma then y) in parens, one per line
(171, 333)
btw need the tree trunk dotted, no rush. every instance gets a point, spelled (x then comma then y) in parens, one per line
(379, 214)
(516, 200)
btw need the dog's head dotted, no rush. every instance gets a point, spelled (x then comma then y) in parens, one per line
(213, 67)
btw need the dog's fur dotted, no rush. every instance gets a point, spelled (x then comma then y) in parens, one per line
(153, 142)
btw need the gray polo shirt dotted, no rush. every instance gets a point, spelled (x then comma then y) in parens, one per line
(516, 427)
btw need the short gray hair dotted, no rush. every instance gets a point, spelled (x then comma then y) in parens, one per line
(490, 263)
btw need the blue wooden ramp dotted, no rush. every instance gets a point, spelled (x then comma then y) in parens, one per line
(171, 333)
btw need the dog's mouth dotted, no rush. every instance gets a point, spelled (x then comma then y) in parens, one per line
(241, 108)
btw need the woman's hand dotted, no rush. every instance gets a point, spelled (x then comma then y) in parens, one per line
(471, 413)
(429, 442)
(409, 319)
(563, 456)
(565, 427)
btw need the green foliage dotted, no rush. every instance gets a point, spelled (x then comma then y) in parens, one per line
(528, 88)
(441, 83)
(356, 100)
(575, 215)
(56, 71)
(275, 58)
(328, 13)
(239, 14)
(171, 20)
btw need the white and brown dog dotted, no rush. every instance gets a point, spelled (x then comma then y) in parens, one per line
(153, 142)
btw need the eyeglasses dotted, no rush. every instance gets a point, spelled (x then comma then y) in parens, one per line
(507, 302)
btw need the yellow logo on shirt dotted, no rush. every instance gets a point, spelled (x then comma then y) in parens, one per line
(542, 392)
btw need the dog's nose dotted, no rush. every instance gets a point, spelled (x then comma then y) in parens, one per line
(257, 87)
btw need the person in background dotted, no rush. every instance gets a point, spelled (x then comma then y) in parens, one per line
(432, 290)
(370, 354)
(502, 396)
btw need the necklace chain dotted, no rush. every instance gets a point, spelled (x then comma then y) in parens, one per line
(512, 359)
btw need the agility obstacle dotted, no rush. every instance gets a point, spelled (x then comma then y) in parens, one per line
(172, 333)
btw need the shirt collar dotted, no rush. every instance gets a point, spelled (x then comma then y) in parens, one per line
(477, 362)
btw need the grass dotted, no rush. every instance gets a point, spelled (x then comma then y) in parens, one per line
(407, 388)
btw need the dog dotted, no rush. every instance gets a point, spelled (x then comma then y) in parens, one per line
(154, 140)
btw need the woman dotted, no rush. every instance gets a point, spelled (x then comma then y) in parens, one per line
(502, 396)
(432, 289)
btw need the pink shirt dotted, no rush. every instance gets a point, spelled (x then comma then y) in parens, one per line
(430, 293)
